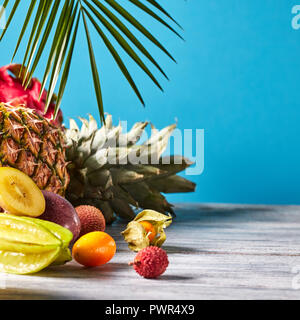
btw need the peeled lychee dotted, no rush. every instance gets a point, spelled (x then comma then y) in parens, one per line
(150, 262)
(91, 219)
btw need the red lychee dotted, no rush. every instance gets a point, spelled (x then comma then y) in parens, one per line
(150, 262)
(91, 219)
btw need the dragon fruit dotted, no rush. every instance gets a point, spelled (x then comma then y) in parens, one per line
(12, 92)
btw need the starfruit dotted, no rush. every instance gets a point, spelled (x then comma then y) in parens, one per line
(65, 235)
(28, 245)
(136, 236)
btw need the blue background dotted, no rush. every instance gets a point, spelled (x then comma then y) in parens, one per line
(237, 77)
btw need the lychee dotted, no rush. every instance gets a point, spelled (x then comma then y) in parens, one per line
(150, 262)
(91, 219)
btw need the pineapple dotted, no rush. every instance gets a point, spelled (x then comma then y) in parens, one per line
(30, 143)
(102, 176)
(77, 162)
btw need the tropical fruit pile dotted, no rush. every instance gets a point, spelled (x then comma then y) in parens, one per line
(30, 240)
(58, 184)
(77, 162)
(28, 244)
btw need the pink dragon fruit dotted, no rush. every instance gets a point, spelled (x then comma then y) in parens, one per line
(12, 92)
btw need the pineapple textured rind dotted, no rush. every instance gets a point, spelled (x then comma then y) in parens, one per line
(30, 143)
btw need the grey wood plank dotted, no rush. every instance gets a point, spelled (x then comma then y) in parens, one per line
(216, 251)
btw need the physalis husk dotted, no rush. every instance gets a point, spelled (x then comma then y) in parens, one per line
(136, 236)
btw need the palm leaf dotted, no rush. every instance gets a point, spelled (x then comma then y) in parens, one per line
(160, 8)
(122, 27)
(15, 6)
(122, 42)
(25, 24)
(44, 39)
(117, 58)
(63, 42)
(130, 18)
(60, 20)
(35, 42)
(55, 44)
(140, 5)
(4, 6)
(66, 69)
(94, 71)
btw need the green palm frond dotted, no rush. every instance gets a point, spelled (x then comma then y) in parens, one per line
(62, 19)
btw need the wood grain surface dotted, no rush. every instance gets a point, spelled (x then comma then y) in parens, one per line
(215, 252)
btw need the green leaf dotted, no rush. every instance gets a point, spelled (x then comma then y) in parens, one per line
(37, 18)
(55, 44)
(44, 40)
(25, 24)
(172, 184)
(160, 8)
(66, 71)
(125, 46)
(138, 26)
(154, 15)
(61, 52)
(116, 57)
(94, 71)
(50, 17)
(128, 34)
(15, 6)
(36, 40)
(3, 8)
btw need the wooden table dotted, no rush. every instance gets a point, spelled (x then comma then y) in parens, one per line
(215, 252)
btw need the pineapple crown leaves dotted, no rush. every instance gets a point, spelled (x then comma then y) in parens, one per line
(109, 141)
(95, 177)
(61, 21)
